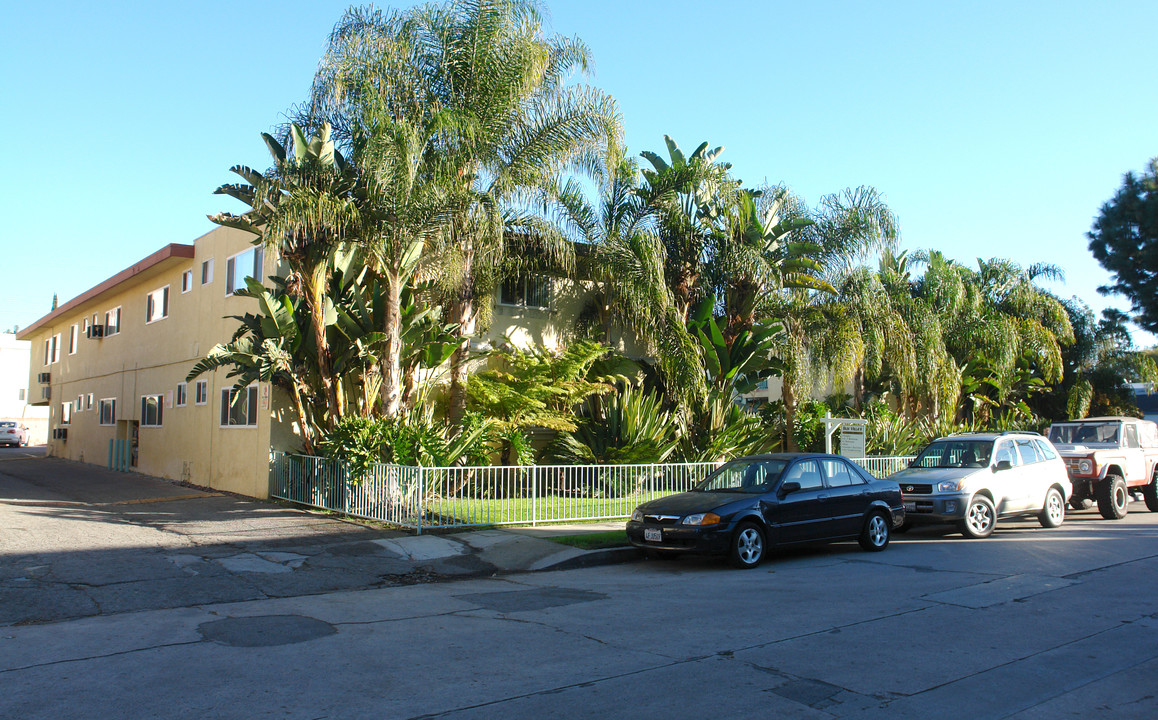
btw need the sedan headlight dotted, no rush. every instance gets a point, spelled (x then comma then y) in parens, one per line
(702, 519)
(1085, 466)
(637, 516)
(950, 485)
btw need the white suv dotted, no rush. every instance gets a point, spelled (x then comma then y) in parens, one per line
(972, 479)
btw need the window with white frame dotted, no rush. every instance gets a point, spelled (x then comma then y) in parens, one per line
(48, 351)
(241, 266)
(151, 410)
(182, 394)
(201, 392)
(113, 321)
(527, 291)
(88, 402)
(73, 334)
(207, 271)
(157, 305)
(53, 350)
(239, 407)
(186, 281)
(108, 414)
(79, 403)
(66, 413)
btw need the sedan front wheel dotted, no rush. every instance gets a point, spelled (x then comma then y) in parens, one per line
(980, 518)
(747, 546)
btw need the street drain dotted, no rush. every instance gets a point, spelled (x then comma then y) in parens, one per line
(265, 630)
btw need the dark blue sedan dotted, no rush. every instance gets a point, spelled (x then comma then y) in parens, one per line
(753, 503)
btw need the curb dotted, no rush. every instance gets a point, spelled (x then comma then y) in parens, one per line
(595, 558)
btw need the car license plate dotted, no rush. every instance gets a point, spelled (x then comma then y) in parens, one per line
(653, 535)
(910, 506)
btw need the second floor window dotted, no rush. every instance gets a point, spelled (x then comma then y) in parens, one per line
(528, 291)
(241, 266)
(186, 281)
(113, 322)
(157, 305)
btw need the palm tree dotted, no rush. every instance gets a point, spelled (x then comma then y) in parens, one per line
(369, 87)
(821, 335)
(628, 267)
(304, 208)
(515, 124)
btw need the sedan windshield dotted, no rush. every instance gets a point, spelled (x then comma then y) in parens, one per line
(743, 476)
(955, 453)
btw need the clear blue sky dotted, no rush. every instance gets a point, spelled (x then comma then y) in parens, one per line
(993, 129)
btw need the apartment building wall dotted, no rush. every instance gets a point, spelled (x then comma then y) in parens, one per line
(151, 357)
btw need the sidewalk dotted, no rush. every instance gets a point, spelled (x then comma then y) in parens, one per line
(514, 549)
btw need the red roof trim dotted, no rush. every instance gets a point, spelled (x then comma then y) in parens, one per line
(172, 250)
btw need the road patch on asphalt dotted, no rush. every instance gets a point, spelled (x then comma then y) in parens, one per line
(265, 630)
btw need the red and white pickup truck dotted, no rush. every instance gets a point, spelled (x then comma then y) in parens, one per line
(1108, 458)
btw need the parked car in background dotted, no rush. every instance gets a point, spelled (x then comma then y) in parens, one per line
(1107, 457)
(972, 479)
(12, 434)
(753, 503)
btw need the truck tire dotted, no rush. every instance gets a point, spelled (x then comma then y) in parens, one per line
(1113, 497)
(1150, 493)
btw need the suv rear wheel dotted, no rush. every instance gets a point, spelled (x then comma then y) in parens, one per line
(1113, 498)
(980, 518)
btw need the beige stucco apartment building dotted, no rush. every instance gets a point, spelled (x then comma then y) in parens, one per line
(111, 364)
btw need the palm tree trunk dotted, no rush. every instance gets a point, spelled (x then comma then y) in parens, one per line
(462, 311)
(303, 424)
(334, 399)
(789, 395)
(391, 359)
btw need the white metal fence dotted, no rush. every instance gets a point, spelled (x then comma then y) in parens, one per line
(422, 498)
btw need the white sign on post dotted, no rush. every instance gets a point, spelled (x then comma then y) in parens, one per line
(852, 432)
(852, 440)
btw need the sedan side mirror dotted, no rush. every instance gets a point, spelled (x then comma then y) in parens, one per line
(789, 487)
(1002, 465)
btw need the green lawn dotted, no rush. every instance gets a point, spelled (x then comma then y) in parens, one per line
(474, 511)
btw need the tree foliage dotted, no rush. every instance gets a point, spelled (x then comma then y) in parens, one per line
(1124, 239)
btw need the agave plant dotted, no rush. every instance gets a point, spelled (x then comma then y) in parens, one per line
(627, 428)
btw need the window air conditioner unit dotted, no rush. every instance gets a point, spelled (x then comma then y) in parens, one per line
(44, 378)
(60, 433)
(96, 331)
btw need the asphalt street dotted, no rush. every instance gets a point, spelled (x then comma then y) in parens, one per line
(1030, 623)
